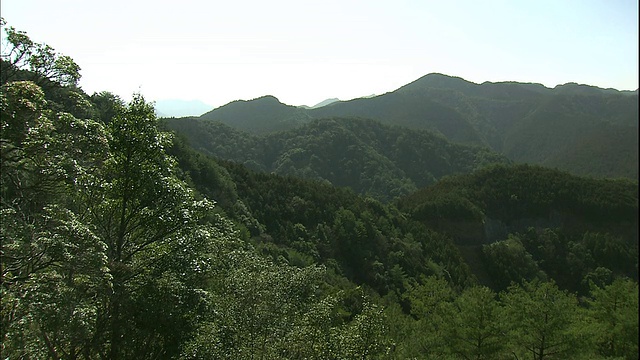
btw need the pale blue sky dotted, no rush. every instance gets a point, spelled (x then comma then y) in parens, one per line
(303, 52)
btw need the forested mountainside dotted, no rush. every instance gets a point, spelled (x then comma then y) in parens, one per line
(258, 116)
(551, 209)
(555, 218)
(499, 226)
(371, 158)
(121, 241)
(562, 127)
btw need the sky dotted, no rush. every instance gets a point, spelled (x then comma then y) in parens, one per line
(303, 52)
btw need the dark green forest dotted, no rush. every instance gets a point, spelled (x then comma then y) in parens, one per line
(581, 129)
(373, 159)
(125, 236)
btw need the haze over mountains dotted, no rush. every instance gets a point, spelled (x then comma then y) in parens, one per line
(582, 129)
(180, 108)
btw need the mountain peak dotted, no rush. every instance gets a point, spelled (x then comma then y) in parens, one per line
(259, 115)
(322, 103)
(438, 81)
(267, 98)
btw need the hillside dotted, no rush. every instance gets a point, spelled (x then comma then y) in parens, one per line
(415, 112)
(261, 115)
(499, 224)
(555, 217)
(371, 158)
(564, 127)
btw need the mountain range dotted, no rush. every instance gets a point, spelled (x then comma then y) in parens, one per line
(582, 129)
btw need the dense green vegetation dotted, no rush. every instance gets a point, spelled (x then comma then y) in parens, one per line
(371, 158)
(121, 241)
(262, 115)
(578, 128)
(546, 221)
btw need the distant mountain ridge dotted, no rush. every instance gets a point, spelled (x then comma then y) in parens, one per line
(321, 104)
(261, 115)
(582, 129)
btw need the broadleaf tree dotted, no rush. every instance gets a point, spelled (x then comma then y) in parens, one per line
(144, 214)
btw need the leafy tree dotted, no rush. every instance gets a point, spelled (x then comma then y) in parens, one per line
(365, 336)
(106, 105)
(53, 265)
(52, 313)
(145, 215)
(96, 228)
(508, 261)
(257, 305)
(42, 62)
(614, 312)
(259, 309)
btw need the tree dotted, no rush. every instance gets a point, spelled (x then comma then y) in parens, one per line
(42, 62)
(430, 305)
(16, 52)
(614, 312)
(99, 235)
(259, 309)
(106, 105)
(476, 326)
(254, 305)
(146, 216)
(53, 267)
(365, 336)
(52, 312)
(543, 321)
(509, 261)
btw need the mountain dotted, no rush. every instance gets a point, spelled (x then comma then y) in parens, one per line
(261, 115)
(496, 225)
(554, 217)
(371, 158)
(582, 89)
(180, 108)
(578, 128)
(416, 112)
(584, 134)
(321, 104)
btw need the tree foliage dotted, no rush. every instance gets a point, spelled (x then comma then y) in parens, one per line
(377, 160)
(43, 64)
(544, 319)
(613, 310)
(108, 253)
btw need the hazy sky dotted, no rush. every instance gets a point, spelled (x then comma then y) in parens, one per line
(303, 52)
